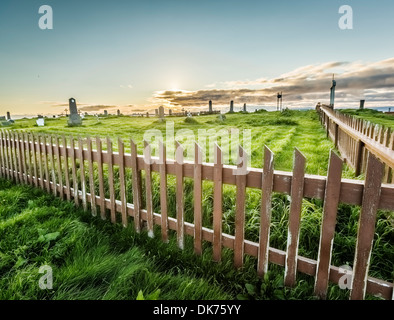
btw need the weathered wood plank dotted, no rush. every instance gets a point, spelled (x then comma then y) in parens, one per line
(100, 176)
(66, 168)
(111, 180)
(265, 212)
(59, 166)
(331, 201)
(366, 227)
(217, 204)
(137, 193)
(93, 206)
(240, 178)
(122, 183)
(82, 173)
(179, 195)
(74, 171)
(297, 191)
(197, 180)
(163, 191)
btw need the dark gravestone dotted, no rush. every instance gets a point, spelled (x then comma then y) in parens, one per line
(161, 112)
(362, 102)
(74, 119)
(210, 106)
(8, 115)
(231, 106)
(170, 112)
(105, 113)
(244, 107)
(118, 112)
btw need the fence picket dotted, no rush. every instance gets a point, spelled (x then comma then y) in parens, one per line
(18, 147)
(197, 177)
(122, 183)
(34, 149)
(265, 212)
(47, 177)
(111, 180)
(14, 157)
(217, 203)
(366, 227)
(136, 186)
(2, 171)
(22, 137)
(148, 187)
(74, 171)
(297, 194)
(240, 208)
(100, 176)
(179, 195)
(163, 191)
(331, 201)
(30, 180)
(59, 167)
(92, 190)
(82, 174)
(40, 164)
(66, 168)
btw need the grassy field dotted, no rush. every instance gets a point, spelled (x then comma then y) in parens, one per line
(281, 132)
(371, 115)
(115, 263)
(94, 259)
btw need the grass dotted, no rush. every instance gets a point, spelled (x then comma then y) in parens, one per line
(281, 132)
(372, 115)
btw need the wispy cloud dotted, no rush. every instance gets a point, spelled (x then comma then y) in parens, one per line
(304, 86)
(128, 86)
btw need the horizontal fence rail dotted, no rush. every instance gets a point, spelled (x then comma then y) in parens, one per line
(355, 138)
(73, 169)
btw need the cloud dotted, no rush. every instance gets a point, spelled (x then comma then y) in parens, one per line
(96, 108)
(304, 86)
(126, 86)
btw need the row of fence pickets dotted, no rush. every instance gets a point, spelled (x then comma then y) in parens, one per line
(352, 147)
(39, 160)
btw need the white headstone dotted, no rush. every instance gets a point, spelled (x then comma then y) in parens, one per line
(40, 122)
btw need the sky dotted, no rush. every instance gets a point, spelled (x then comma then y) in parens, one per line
(138, 55)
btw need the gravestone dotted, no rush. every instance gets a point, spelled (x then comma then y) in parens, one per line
(40, 122)
(118, 112)
(105, 113)
(170, 112)
(161, 112)
(362, 102)
(231, 106)
(244, 107)
(332, 93)
(210, 106)
(147, 114)
(156, 112)
(74, 119)
(8, 115)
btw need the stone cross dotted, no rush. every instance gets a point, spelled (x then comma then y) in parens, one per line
(74, 118)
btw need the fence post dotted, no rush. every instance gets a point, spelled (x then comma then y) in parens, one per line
(359, 157)
(267, 183)
(366, 229)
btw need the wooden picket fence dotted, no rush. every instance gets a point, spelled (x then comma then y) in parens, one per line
(58, 165)
(355, 138)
